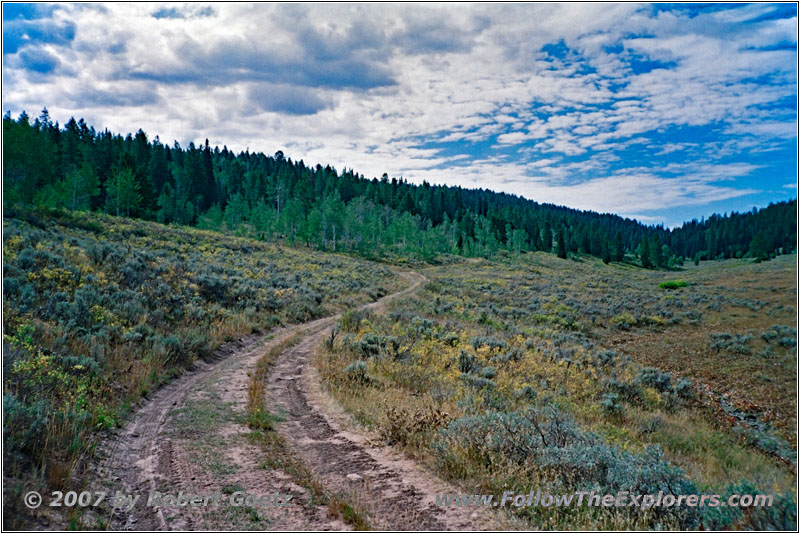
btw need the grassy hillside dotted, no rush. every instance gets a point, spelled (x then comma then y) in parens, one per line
(99, 311)
(524, 372)
(77, 167)
(540, 373)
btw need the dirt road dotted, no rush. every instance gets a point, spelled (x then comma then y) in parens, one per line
(395, 493)
(192, 436)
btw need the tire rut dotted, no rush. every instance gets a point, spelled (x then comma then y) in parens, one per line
(156, 452)
(167, 448)
(397, 494)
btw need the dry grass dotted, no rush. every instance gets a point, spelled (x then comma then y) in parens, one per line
(550, 321)
(258, 416)
(765, 385)
(351, 509)
(136, 303)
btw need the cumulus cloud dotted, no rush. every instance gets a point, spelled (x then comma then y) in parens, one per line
(39, 60)
(617, 107)
(287, 99)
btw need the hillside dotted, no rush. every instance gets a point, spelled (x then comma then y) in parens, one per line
(197, 320)
(273, 197)
(99, 312)
(526, 375)
(680, 381)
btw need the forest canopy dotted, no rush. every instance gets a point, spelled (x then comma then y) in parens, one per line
(75, 167)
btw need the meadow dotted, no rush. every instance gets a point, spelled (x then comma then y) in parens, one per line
(522, 372)
(100, 311)
(552, 348)
(532, 372)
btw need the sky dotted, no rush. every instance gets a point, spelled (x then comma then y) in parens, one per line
(660, 112)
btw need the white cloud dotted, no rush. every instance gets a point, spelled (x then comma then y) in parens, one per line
(376, 87)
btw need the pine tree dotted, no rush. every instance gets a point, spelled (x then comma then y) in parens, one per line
(644, 253)
(547, 237)
(606, 252)
(655, 252)
(586, 246)
(177, 184)
(619, 249)
(29, 161)
(562, 244)
(759, 248)
(157, 167)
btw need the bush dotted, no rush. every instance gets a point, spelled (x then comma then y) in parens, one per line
(694, 317)
(654, 378)
(737, 343)
(370, 345)
(351, 321)
(488, 372)
(80, 365)
(673, 284)
(781, 516)
(23, 426)
(300, 311)
(786, 336)
(491, 342)
(526, 393)
(605, 357)
(610, 405)
(478, 382)
(450, 339)
(628, 391)
(357, 372)
(549, 445)
(624, 321)
(423, 326)
(466, 362)
(684, 389)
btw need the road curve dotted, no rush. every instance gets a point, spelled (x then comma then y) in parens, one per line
(162, 448)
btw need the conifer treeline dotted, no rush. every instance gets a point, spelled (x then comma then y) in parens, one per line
(272, 197)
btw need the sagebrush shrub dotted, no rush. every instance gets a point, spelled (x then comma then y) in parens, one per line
(609, 404)
(649, 376)
(549, 444)
(357, 372)
(466, 362)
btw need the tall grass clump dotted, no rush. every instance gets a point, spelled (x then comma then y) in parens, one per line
(673, 284)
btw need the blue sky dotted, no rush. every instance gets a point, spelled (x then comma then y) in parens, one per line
(663, 112)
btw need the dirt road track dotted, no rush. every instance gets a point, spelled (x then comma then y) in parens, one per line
(191, 437)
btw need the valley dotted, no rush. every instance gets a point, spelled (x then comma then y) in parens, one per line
(292, 383)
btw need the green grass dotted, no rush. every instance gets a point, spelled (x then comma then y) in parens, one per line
(349, 514)
(673, 284)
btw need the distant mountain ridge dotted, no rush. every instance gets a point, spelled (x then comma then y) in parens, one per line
(272, 197)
